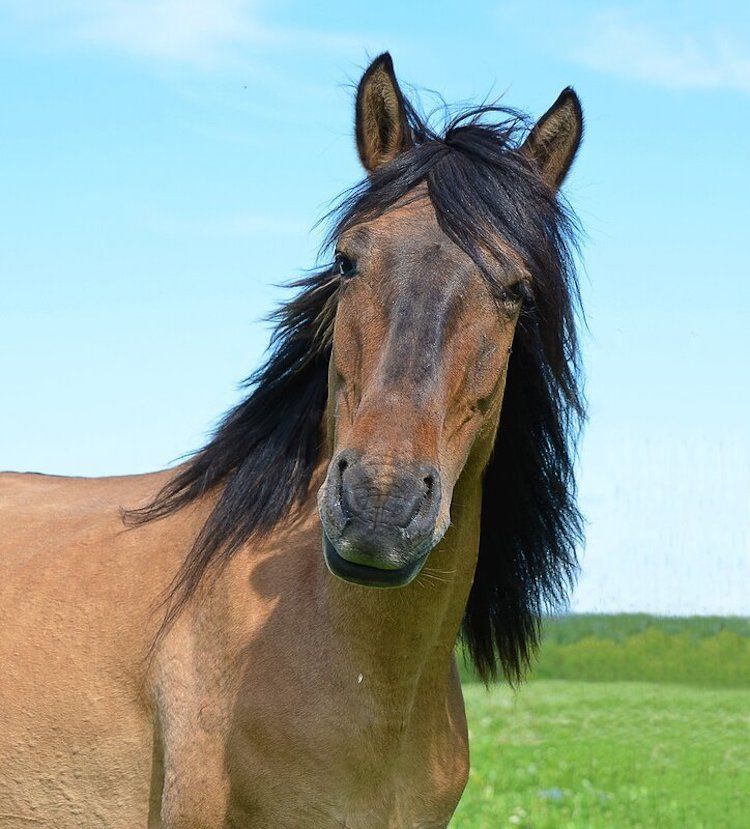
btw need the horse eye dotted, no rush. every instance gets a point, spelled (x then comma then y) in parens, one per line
(344, 266)
(515, 294)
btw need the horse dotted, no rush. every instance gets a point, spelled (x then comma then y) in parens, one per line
(266, 635)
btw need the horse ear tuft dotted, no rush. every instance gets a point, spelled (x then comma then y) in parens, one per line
(553, 142)
(381, 123)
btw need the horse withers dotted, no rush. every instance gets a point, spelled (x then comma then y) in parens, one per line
(264, 636)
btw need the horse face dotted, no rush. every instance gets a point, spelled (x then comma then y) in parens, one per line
(420, 350)
(420, 343)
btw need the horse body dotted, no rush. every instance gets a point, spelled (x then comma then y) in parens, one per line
(226, 656)
(74, 594)
(281, 698)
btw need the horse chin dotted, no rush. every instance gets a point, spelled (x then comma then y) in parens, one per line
(367, 576)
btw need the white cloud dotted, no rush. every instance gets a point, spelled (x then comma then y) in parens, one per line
(194, 30)
(663, 55)
(202, 32)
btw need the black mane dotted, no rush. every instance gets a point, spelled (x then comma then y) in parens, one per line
(489, 199)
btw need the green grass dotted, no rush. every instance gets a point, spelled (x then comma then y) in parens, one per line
(626, 722)
(621, 755)
(619, 626)
(699, 651)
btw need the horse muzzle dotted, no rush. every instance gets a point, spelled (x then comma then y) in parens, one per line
(379, 519)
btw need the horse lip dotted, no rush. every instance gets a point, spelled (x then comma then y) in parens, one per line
(367, 576)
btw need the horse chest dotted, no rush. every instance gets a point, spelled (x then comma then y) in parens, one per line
(299, 729)
(344, 760)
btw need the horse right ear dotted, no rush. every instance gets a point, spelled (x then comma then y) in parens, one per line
(381, 125)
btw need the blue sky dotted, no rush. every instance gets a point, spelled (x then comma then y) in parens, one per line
(163, 164)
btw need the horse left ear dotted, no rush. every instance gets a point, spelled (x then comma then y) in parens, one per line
(553, 142)
(382, 126)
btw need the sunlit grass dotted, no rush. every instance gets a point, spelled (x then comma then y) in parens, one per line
(598, 755)
(626, 722)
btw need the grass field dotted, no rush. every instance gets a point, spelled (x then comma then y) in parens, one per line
(609, 750)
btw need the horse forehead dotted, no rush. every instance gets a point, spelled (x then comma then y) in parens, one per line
(422, 259)
(433, 276)
(410, 227)
(418, 237)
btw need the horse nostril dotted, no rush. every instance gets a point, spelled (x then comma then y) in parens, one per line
(426, 501)
(342, 465)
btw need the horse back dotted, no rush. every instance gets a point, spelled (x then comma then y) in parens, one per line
(77, 596)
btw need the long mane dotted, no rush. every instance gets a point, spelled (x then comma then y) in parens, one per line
(260, 461)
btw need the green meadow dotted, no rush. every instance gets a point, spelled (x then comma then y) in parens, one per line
(626, 722)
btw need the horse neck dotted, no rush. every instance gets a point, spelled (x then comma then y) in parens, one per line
(402, 637)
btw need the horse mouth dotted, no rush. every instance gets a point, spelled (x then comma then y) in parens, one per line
(366, 575)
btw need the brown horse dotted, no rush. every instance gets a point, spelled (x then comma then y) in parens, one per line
(222, 658)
